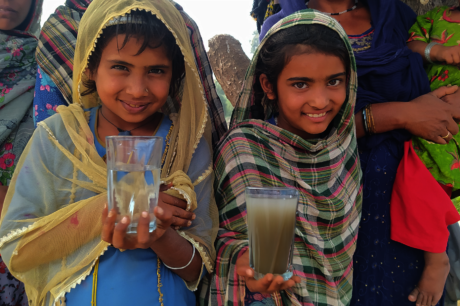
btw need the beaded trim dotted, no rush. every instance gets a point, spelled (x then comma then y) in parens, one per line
(207, 262)
(159, 281)
(168, 137)
(204, 175)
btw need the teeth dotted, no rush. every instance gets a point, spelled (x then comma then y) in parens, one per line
(316, 115)
(136, 106)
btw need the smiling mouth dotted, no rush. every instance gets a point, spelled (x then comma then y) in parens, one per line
(136, 106)
(316, 115)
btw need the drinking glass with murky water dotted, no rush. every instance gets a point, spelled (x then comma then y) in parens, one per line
(271, 217)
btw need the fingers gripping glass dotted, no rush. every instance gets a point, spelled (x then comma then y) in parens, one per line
(271, 216)
(133, 177)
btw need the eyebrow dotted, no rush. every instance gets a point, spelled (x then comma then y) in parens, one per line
(305, 79)
(131, 65)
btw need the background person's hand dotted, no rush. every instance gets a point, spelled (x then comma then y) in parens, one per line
(444, 54)
(453, 99)
(268, 284)
(431, 118)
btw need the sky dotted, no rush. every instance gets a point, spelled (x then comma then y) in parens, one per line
(212, 16)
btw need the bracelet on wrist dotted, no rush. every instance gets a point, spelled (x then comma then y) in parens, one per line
(366, 128)
(428, 51)
(180, 268)
(370, 124)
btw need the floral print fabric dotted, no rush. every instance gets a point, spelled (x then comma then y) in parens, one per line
(12, 292)
(47, 97)
(437, 26)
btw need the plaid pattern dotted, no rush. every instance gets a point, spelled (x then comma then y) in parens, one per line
(56, 46)
(56, 49)
(216, 111)
(327, 174)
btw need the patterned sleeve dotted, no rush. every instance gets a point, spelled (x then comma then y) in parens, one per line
(421, 30)
(47, 97)
(233, 165)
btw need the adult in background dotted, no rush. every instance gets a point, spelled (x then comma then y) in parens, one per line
(55, 55)
(19, 28)
(394, 91)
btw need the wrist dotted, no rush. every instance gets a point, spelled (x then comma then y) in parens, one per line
(161, 241)
(401, 119)
(436, 54)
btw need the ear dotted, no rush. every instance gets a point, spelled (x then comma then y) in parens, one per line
(267, 87)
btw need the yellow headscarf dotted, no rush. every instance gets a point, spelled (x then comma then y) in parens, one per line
(54, 246)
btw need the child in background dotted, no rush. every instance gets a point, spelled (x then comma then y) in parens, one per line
(436, 37)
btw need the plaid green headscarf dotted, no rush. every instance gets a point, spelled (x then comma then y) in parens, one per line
(325, 171)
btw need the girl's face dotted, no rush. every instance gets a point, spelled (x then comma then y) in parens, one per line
(310, 92)
(132, 87)
(13, 13)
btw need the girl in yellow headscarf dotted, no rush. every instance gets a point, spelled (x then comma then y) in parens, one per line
(134, 73)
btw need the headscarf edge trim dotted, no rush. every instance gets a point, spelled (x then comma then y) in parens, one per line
(129, 10)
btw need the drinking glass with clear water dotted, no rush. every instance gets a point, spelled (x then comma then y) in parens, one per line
(271, 217)
(133, 177)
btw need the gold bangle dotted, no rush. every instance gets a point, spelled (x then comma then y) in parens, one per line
(370, 117)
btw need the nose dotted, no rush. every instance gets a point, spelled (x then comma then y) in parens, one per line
(136, 86)
(320, 99)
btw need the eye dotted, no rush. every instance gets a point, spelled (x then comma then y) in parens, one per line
(156, 71)
(334, 82)
(300, 85)
(120, 67)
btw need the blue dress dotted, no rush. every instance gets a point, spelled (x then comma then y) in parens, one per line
(130, 277)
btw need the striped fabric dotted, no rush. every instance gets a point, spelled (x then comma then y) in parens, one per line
(327, 174)
(56, 46)
(56, 49)
(216, 111)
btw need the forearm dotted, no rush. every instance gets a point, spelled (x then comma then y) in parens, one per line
(50, 245)
(175, 251)
(387, 117)
(420, 46)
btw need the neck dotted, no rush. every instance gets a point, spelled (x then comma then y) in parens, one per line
(109, 123)
(331, 6)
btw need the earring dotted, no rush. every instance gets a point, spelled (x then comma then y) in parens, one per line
(146, 90)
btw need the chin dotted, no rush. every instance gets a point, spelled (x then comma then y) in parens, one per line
(316, 131)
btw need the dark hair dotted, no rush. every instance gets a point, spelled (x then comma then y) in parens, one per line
(278, 50)
(144, 26)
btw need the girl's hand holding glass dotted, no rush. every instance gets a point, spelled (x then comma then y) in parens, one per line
(266, 285)
(167, 215)
(178, 207)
